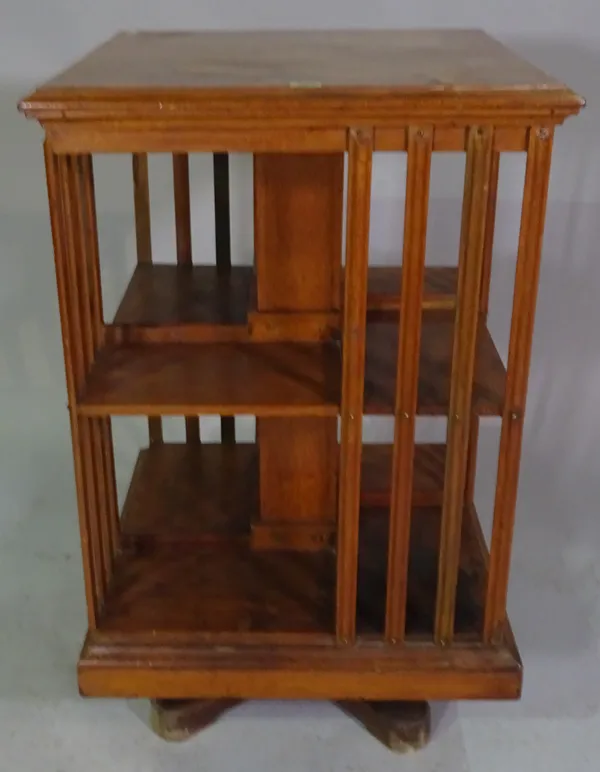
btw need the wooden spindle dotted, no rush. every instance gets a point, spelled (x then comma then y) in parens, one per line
(419, 148)
(83, 225)
(104, 434)
(471, 258)
(484, 302)
(537, 176)
(360, 153)
(183, 234)
(143, 238)
(223, 251)
(56, 172)
(76, 321)
(82, 272)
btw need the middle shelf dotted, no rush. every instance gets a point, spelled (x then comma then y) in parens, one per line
(229, 373)
(282, 379)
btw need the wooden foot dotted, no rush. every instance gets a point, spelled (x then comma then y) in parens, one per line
(402, 726)
(177, 720)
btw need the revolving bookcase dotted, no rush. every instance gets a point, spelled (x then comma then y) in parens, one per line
(305, 564)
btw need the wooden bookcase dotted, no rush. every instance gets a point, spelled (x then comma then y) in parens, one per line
(306, 564)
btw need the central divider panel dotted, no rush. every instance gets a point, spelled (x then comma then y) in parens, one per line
(298, 205)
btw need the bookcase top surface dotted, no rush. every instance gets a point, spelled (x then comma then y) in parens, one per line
(434, 60)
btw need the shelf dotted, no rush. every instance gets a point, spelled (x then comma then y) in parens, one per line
(422, 573)
(179, 296)
(434, 368)
(187, 568)
(279, 379)
(209, 493)
(172, 296)
(385, 282)
(264, 379)
(227, 588)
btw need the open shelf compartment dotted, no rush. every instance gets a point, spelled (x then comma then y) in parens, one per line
(186, 566)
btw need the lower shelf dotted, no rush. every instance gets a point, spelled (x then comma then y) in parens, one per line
(228, 588)
(187, 565)
(193, 611)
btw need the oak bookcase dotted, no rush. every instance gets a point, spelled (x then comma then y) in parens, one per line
(306, 564)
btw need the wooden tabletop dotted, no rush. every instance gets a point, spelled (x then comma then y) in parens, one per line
(430, 59)
(347, 63)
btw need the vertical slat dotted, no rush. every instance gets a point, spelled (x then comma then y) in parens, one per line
(104, 435)
(78, 285)
(183, 225)
(79, 318)
(183, 233)
(407, 374)
(223, 251)
(88, 261)
(83, 272)
(471, 258)
(56, 171)
(537, 175)
(143, 237)
(141, 203)
(360, 152)
(222, 215)
(484, 301)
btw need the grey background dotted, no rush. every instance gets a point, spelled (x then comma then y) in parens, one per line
(553, 601)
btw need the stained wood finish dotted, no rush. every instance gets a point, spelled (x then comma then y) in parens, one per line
(287, 79)
(435, 366)
(81, 255)
(175, 303)
(484, 301)
(297, 238)
(163, 295)
(385, 288)
(294, 453)
(183, 241)
(360, 150)
(537, 176)
(407, 376)
(298, 231)
(277, 591)
(295, 672)
(223, 249)
(266, 593)
(143, 238)
(447, 139)
(470, 269)
(184, 494)
(55, 173)
(122, 374)
(202, 588)
(174, 379)
(427, 479)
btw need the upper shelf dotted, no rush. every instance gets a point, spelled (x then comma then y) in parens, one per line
(160, 297)
(219, 370)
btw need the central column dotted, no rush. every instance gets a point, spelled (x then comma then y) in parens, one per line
(298, 203)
